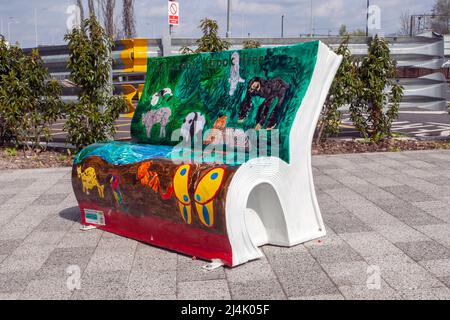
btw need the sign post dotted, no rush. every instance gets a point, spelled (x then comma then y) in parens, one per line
(173, 14)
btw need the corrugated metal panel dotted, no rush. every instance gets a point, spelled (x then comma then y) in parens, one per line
(423, 53)
(447, 45)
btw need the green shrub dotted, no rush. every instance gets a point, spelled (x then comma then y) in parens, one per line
(250, 44)
(92, 118)
(29, 98)
(210, 41)
(378, 98)
(12, 152)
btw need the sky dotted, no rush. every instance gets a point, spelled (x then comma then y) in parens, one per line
(260, 18)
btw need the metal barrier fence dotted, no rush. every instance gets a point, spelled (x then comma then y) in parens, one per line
(419, 59)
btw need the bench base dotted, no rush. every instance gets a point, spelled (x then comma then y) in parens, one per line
(162, 233)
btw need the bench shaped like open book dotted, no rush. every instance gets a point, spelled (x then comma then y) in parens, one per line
(220, 162)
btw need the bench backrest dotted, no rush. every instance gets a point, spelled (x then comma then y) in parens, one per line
(234, 90)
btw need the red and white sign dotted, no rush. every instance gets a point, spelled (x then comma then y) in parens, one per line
(174, 13)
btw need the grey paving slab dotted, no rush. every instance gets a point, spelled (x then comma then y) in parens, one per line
(254, 271)
(102, 285)
(383, 182)
(408, 193)
(8, 246)
(326, 182)
(440, 213)
(330, 239)
(191, 270)
(269, 289)
(203, 290)
(14, 281)
(440, 267)
(9, 296)
(406, 275)
(426, 294)
(347, 273)
(439, 180)
(110, 259)
(385, 212)
(445, 280)
(307, 283)
(143, 283)
(424, 250)
(400, 233)
(369, 244)
(320, 297)
(364, 293)
(149, 258)
(371, 215)
(335, 253)
(26, 258)
(60, 259)
(430, 205)
(292, 262)
(420, 164)
(45, 289)
(408, 213)
(50, 199)
(438, 232)
(345, 222)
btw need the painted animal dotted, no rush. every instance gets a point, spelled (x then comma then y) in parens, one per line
(153, 117)
(220, 134)
(89, 180)
(235, 77)
(269, 89)
(192, 126)
(116, 189)
(164, 94)
(150, 178)
(204, 194)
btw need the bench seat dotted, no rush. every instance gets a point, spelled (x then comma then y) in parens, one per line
(179, 185)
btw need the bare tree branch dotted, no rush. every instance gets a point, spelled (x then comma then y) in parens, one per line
(128, 19)
(107, 13)
(405, 23)
(441, 23)
(80, 5)
(91, 8)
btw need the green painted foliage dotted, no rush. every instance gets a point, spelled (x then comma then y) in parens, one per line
(201, 83)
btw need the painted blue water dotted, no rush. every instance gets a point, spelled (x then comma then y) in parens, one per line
(122, 152)
(119, 153)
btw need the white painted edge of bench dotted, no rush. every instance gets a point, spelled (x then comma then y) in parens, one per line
(272, 202)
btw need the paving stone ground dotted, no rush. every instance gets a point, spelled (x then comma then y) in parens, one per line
(387, 217)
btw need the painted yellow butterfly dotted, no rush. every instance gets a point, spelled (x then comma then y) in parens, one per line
(204, 194)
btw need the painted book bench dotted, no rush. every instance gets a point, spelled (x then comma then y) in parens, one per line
(220, 162)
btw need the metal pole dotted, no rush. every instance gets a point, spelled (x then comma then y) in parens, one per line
(242, 25)
(228, 18)
(311, 20)
(9, 32)
(170, 26)
(411, 26)
(367, 19)
(282, 25)
(35, 27)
